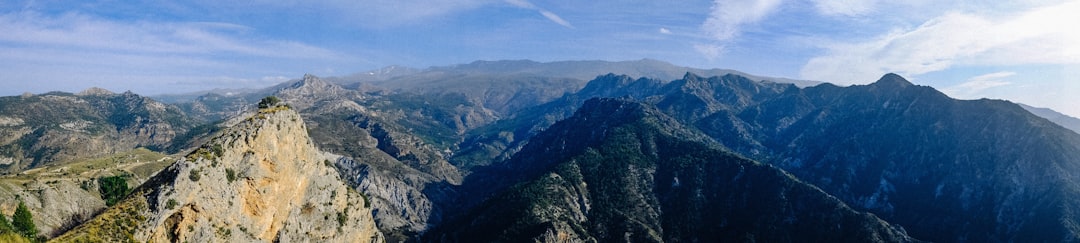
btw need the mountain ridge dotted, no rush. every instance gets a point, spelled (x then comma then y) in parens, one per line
(58, 127)
(642, 155)
(874, 146)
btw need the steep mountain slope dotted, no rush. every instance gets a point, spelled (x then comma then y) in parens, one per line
(37, 130)
(945, 169)
(1072, 123)
(260, 180)
(394, 148)
(502, 138)
(623, 171)
(948, 170)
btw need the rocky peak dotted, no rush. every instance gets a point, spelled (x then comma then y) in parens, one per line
(260, 180)
(892, 81)
(95, 91)
(311, 82)
(605, 82)
(611, 85)
(309, 90)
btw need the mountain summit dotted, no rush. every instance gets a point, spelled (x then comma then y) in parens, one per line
(892, 81)
(261, 180)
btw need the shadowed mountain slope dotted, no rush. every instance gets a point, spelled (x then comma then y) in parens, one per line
(623, 171)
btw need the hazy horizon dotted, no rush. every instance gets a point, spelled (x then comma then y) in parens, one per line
(1018, 51)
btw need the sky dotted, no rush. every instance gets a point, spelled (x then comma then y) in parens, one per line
(1023, 51)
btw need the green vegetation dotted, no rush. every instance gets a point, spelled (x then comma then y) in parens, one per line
(218, 150)
(115, 225)
(224, 232)
(367, 204)
(7, 232)
(194, 175)
(171, 204)
(341, 218)
(230, 174)
(112, 189)
(5, 224)
(269, 101)
(23, 222)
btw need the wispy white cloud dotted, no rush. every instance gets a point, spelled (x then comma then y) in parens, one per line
(364, 13)
(973, 87)
(555, 18)
(81, 32)
(665, 31)
(727, 17)
(1035, 36)
(845, 7)
(544, 12)
(42, 52)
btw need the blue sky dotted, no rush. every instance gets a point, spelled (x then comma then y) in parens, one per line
(1024, 51)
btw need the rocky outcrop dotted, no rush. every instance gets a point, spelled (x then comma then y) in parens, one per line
(399, 172)
(311, 90)
(262, 180)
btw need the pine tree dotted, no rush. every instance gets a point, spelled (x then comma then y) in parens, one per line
(5, 225)
(24, 222)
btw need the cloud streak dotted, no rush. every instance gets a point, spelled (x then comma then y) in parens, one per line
(727, 17)
(1035, 36)
(41, 51)
(80, 32)
(973, 87)
(844, 7)
(544, 12)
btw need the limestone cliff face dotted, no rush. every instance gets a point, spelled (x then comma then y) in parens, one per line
(262, 180)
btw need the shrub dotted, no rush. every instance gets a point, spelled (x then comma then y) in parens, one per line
(367, 204)
(230, 174)
(341, 218)
(194, 175)
(218, 150)
(112, 189)
(269, 101)
(171, 204)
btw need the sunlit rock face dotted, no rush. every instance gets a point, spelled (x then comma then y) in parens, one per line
(261, 180)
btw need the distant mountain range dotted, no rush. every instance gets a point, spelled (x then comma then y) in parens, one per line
(601, 151)
(1072, 123)
(57, 127)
